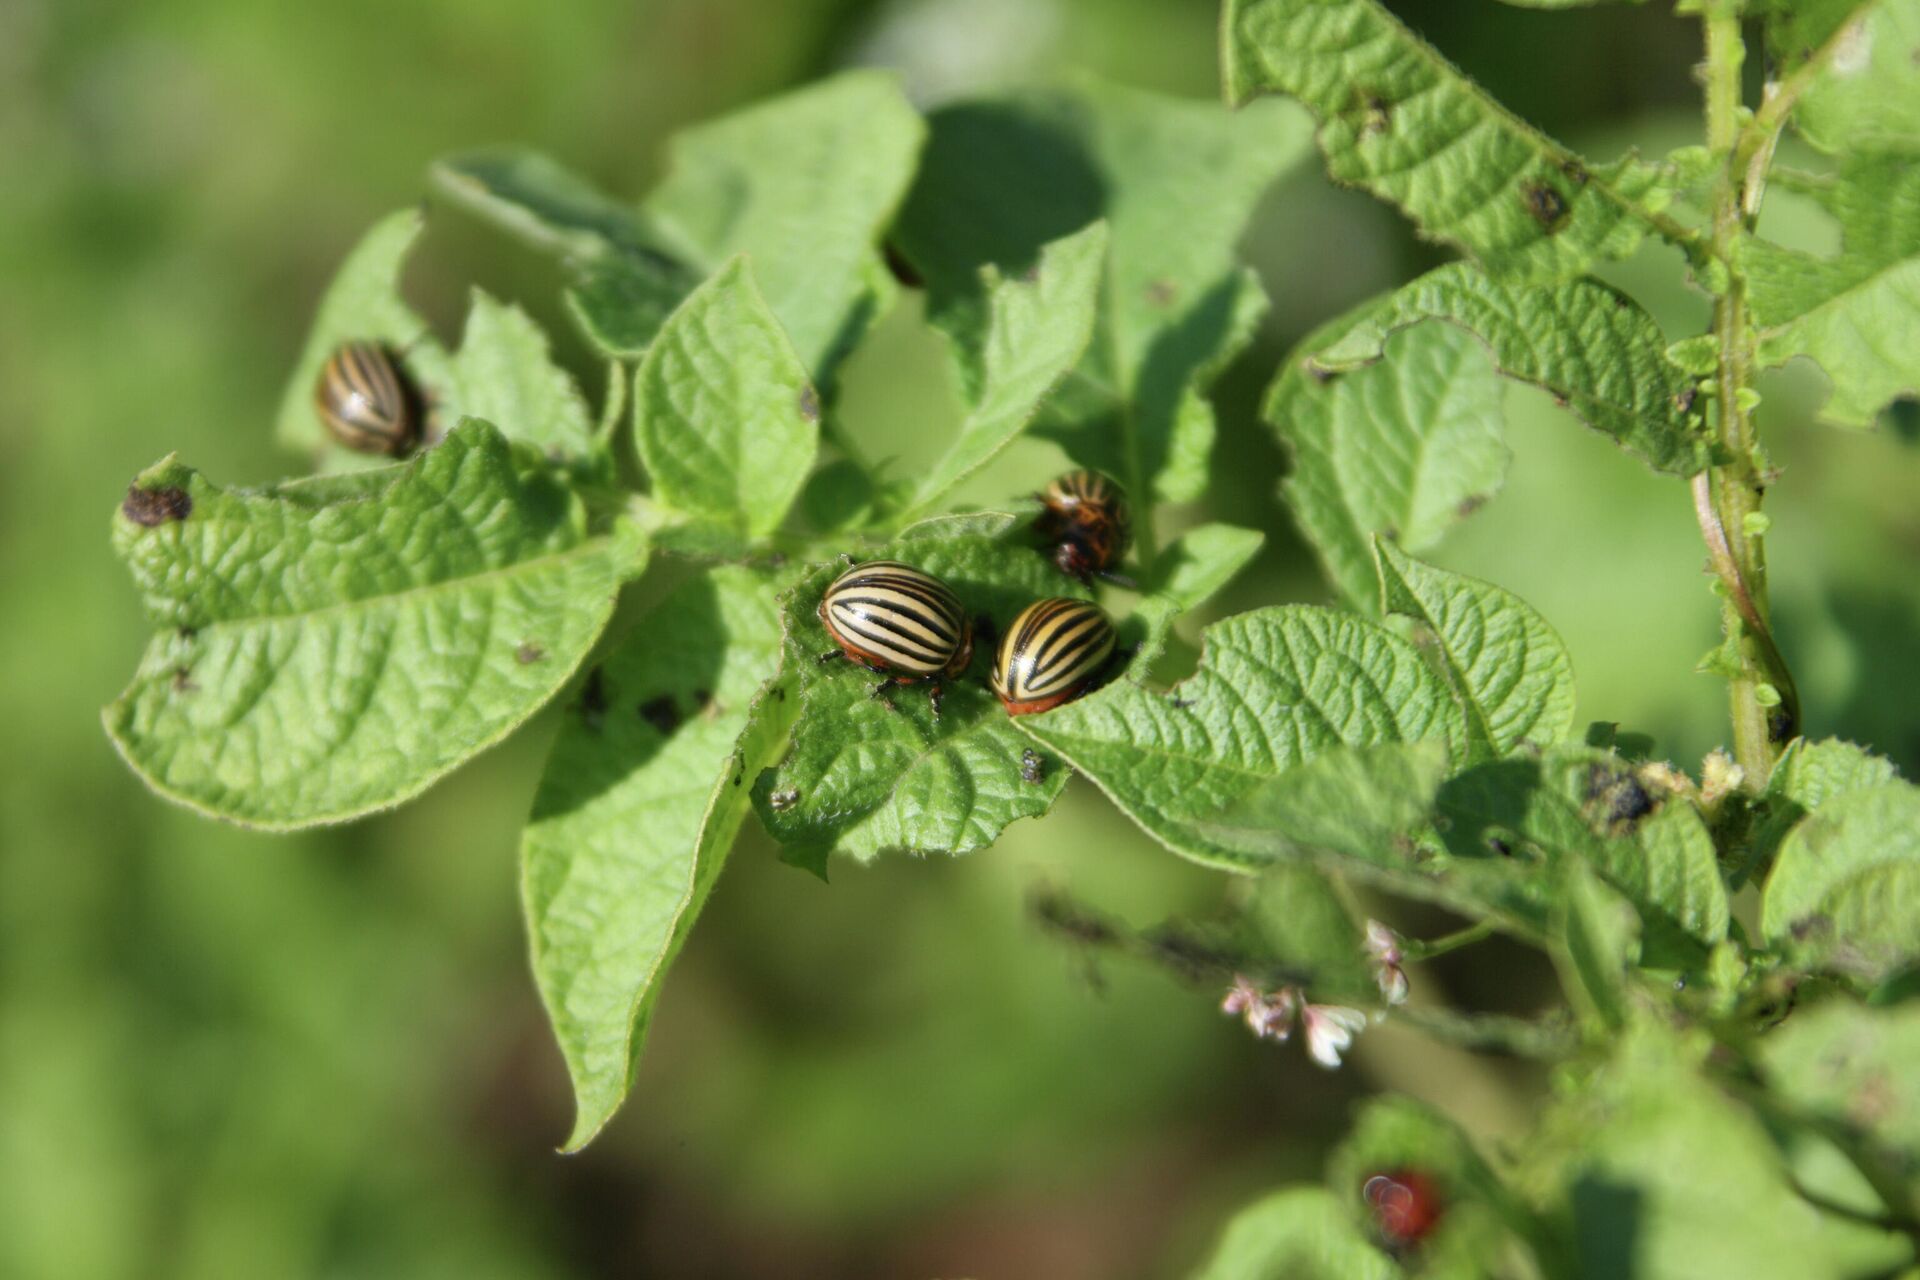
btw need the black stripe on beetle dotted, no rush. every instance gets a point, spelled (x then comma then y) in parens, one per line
(365, 401)
(891, 617)
(1054, 651)
(1087, 522)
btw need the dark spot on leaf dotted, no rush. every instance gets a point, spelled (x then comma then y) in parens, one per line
(1500, 846)
(187, 634)
(809, 403)
(1379, 114)
(1575, 171)
(528, 654)
(1812, 926)
(1619, 799)
(183, 680)
(1029, 274)
(738, 776)
(661, 713)
(1320, 373)
(1545, 205)
(781, 801)
(1162, 292)
(1780, 725)
(1033, 766)
(1560, 401)
(1391, 533)
(151, 507)
(593, 699)
(1684, 398)
(1470, 504)
(780, 693)
(902, 269)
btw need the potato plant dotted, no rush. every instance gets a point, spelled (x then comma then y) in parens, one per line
(1732, 1088)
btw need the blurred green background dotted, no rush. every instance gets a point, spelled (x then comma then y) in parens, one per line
(224, 1054)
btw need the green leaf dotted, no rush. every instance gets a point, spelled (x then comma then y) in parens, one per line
(1845, 889)
(1398, 120)
(1274, 688)
(362, 304)
(1596, 942)
(872, 774)
(503, 373)
(1852, 1066)
(330, 649)
(1176, 181)
(1594, 348)
(542, 203)
(1391, 1135)
(1038, 323)
(1188, 572)
(643, 793)
(1807, 775)
(1662, 1177)
(625, 281)
(1301, 930)
(1301, 1233)
(1365, 813)
(1865, 90)
(804, 184)
(1403, 448)
(1843, 311)
(724, 415)
(1648, 843)
(1507, 666)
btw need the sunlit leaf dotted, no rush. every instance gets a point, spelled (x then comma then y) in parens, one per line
(1403, 448)
(724, 416)
(1274, 688)
(1845, 889)
(1845, 312)
(1037, 325)
(1301, 1233)
(869, 774)
(644, 790)
(1507, 665)
(1596, 350)
(1176, 181)
(1398, 120)
(362, 304)
(331, 648)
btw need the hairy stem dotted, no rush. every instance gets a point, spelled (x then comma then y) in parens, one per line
(1764, 705)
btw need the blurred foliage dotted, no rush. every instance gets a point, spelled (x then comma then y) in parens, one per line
(227, 1054)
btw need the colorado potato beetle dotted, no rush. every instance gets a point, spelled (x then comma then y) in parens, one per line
(365, 402)
(1087, 522)
(892, 618)
(1054, 651)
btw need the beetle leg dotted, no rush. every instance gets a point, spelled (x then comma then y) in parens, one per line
(825, 658)
(1120, 580)
(879, 695)
(935, 692)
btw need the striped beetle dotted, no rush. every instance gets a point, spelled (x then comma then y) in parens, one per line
(365, 401)
(1087, 522)
(893, 618)
(1054, 652)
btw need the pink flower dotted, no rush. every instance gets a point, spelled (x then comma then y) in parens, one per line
(1383, 944)
(1330, 1031)
(1268, 1014)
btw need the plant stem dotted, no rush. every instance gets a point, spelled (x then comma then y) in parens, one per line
(1415, 949)
(1764, 705)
